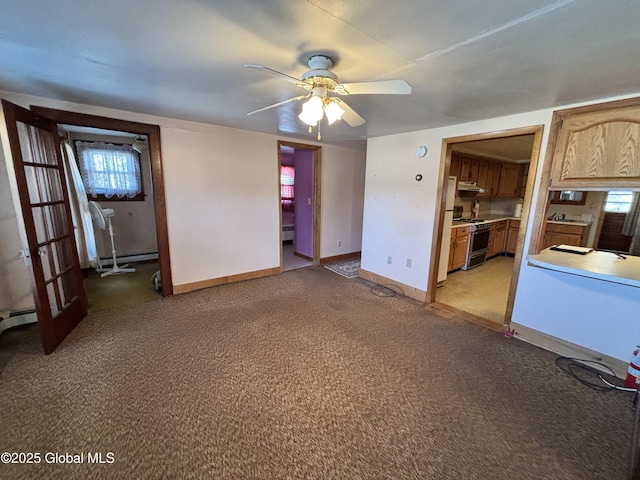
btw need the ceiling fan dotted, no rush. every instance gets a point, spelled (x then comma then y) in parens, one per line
(319, 82)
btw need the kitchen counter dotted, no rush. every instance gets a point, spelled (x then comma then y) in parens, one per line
(604, 266)
(487, 218)
(570, 222)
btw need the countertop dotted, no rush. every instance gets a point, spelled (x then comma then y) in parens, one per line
(603, 266)
(498, 218)
(486, 218)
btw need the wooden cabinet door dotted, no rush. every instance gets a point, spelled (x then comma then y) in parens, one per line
(495, 179)
(454, 169)
(510, 180)
(460, 251)
(500, 236)
(512, 236)
(484, 181)
(469, 169)
(598, 149)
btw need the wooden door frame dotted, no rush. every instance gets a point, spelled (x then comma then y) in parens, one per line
(445, 164)
(159, 204)
(317, 168)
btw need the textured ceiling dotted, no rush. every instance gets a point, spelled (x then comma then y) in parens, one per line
(466, 60)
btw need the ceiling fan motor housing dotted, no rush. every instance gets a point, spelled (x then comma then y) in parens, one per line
(320, 75)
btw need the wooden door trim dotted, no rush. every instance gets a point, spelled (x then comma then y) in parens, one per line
(157, 177)
(317, 188)
(445, 164)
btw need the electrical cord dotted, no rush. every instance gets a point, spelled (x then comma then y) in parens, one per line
(577, 369)
(385, 290)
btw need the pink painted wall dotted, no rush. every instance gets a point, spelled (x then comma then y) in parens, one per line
(303, 163)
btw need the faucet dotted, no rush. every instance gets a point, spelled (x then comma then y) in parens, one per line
(553, 216)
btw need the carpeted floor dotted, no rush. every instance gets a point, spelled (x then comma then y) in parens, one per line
(305, 375)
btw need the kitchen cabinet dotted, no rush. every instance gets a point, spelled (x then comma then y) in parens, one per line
(454, 169)
(564, 234)
(511, 242)
(511, 180)
(469, 168)
(485, 173)
(497, 238)
(596, 149)
(458, 248)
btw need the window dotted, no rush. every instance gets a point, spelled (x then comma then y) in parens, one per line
(110, 170)
(618, 202)
(287, 177)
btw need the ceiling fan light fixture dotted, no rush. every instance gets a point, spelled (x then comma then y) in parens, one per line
(333, 111)
(312, 111)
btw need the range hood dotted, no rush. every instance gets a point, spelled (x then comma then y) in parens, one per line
(469, 187)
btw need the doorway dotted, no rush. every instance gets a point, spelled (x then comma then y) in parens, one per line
(152, 134)
(485, 293)
(299, 167)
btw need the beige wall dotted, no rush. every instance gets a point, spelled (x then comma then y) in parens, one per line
(222, 187)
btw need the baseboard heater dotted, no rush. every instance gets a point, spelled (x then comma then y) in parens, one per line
(10, 319)
(288, 232)
(143, 257)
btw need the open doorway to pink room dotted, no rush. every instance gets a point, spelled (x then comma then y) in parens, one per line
(299, 204)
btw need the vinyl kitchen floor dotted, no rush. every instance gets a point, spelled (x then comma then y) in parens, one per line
(481, 291)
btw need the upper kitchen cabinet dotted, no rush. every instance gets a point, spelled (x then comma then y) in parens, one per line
(597, 147)
(469, 169)
(511, 180)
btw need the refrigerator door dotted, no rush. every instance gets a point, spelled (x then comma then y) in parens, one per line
(451, 193)
(444, 250)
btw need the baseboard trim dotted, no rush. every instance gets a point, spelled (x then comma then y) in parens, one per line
(408, 290)
(340, 258)
(213, 282)
(568, 349)
(309, 259)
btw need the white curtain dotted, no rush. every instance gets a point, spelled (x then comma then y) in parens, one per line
(109, 169)
(82, 223)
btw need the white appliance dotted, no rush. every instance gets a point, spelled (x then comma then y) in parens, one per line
(446, 230)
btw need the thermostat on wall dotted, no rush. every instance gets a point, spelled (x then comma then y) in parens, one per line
(421, 151)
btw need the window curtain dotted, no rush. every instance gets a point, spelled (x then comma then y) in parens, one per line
(80, 214)
(631, 227)
(287, 180)
(109, 169)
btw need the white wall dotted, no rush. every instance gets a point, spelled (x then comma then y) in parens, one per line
(221, 187)
(399, 220)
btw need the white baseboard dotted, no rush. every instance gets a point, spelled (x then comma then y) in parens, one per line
(143, 257)
(568, 349)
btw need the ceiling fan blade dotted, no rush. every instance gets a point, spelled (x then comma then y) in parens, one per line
(388, 87)
(350, 115)
(278, 74)
(278, 104)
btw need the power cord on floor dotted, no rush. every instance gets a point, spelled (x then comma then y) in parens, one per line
(578, 369)
(386, 290)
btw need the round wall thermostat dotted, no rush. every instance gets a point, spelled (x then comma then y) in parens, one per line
(421, 151)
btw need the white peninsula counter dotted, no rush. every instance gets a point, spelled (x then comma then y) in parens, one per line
(604, 266)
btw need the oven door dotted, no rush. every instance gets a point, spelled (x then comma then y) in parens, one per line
(479, 241)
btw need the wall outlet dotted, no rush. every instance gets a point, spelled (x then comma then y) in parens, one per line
(408, 263)
(389, 260)
(339, 243)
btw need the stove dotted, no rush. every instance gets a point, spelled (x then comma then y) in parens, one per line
(478, 243)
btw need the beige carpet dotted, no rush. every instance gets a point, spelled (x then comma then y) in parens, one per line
(482, 291)
(305, 375)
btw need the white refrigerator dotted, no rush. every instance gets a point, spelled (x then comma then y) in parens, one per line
(446, 230)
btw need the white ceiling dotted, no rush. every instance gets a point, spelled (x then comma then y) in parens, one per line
(465, 59)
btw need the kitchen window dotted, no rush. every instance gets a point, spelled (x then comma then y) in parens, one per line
(619, 202)
(110, 171)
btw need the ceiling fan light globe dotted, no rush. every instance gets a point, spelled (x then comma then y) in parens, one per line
(306, 118)
(334, 112)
